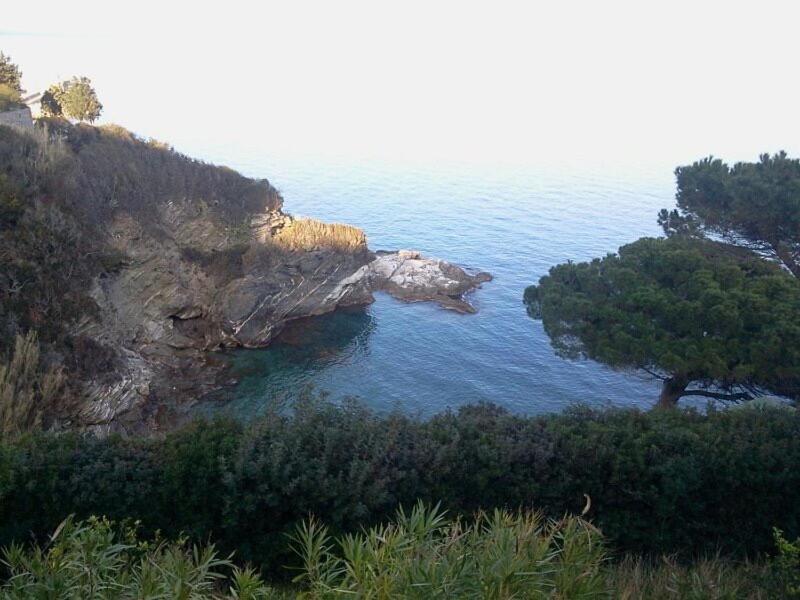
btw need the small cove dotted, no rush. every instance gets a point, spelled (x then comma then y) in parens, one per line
(418, 358)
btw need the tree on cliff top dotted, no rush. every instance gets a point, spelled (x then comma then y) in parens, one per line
(688, 312)
(10, 75)
(755, 205)
(75, 99)
(50, 102)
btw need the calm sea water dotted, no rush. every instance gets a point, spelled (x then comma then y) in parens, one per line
(514, 223)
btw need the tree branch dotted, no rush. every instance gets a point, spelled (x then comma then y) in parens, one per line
(719, 395)
(784, 254)
(653, 373)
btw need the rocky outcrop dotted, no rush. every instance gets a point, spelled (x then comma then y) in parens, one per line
(409, 276)
(196, 258)
(17, 117)
(181, 296)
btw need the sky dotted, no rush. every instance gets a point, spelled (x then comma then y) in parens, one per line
(489, 82)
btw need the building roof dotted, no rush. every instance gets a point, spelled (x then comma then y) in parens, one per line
(32, 98)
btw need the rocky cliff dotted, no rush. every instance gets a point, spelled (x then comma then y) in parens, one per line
(178, 259)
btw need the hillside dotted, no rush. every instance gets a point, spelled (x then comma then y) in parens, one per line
(132, 260)
(133, 263)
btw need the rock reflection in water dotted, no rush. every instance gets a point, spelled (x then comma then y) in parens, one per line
(291, 362)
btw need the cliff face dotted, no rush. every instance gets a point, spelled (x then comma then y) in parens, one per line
(179, 258)
(186, 289)
(210, 260)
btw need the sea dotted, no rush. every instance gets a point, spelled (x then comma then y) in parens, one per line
(515, 222)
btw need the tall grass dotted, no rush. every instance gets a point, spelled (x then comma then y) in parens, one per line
(95, 559)
(27, 391)
(419, 555)
(706, 579)
(36, 161)
(310, 234)
(424, 555)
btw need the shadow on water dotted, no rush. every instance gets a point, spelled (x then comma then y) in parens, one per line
(292, 362)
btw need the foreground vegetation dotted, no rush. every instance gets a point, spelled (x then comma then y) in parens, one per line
(664, 482)
(419, 554)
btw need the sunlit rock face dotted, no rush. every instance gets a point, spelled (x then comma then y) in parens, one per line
(205, 259)
(188, 289)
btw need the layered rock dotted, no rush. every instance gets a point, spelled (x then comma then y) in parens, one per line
(177, 300)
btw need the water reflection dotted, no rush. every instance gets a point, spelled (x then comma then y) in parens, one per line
(295, 358)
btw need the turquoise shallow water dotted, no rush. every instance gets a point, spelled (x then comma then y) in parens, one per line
(514, 223)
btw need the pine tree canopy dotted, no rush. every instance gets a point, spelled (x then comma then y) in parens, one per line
(756, 205)
(689, 311)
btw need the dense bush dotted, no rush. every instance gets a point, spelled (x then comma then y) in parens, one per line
(660, 482)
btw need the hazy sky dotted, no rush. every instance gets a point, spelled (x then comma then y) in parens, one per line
(490, 81)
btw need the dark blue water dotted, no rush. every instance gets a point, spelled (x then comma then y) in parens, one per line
(514, 223)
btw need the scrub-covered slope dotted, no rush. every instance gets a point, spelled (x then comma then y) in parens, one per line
(133, 261)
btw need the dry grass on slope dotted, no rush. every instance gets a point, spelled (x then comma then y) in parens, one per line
(27, 390)
(310, 234)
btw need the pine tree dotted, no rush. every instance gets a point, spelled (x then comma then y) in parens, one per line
(10, 75)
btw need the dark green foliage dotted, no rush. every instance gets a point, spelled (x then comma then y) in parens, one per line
(752, 204)
(666, 481)
(10, 75)
(688, 311)
(50, 102)
(788, 563)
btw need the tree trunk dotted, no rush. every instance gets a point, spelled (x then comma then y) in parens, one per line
(785, 255)
(671, 392)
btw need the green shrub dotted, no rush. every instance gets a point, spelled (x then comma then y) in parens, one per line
(10, 75)
(660, 483)
(9, 98)
(788, 564)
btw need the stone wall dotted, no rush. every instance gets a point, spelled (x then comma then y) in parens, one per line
(20, 117)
